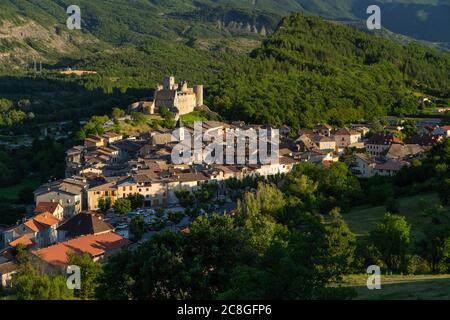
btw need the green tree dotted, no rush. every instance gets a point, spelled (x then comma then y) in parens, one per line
(409, 128)
(30, 284)
(435, 247)
(90, 273)
(185, 198)
(138, 118)
(137, 228)
(94, 126)
(119, 281)
(118, 113)
(257, 215)
(296, 268)
(5, 105)
(136, 200)
(104, 204)
(177, 265)
(392, 239)
(444, 191)
(341, 242)
(122, 206)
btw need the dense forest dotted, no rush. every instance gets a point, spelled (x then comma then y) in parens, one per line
(313, 71)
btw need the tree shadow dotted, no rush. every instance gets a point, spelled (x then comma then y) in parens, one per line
(55, 97)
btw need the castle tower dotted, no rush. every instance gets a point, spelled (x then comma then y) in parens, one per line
(183, 86)
(198, 89)
(169, 83)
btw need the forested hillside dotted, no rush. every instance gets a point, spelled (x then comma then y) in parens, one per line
(308, 71)
(311, 70)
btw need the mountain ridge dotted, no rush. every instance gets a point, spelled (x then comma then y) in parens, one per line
(121, 22)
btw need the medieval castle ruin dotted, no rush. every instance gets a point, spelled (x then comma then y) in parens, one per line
(177, 97)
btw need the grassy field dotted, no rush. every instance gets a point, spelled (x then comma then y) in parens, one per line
(397, 287)
(12, 193)
(362, 220)
(193, 116)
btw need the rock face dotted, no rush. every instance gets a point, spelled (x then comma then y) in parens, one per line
(244, 27)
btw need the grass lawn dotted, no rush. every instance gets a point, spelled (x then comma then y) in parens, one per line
(194, 116)
(362, 220)
(397, 287)
(12, 193)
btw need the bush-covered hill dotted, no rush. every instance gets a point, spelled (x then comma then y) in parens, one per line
(311, 70)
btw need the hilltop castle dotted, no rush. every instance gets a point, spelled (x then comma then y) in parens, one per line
(178, 98)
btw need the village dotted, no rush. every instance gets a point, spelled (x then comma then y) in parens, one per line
(79, 213)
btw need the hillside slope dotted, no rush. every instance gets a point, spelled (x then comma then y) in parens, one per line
(120, 23)
(206, 24)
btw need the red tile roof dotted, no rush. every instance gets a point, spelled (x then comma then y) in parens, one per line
(94, 245)
(41, 221)
(21, 240)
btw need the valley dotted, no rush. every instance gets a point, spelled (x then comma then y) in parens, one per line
(92, 121)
